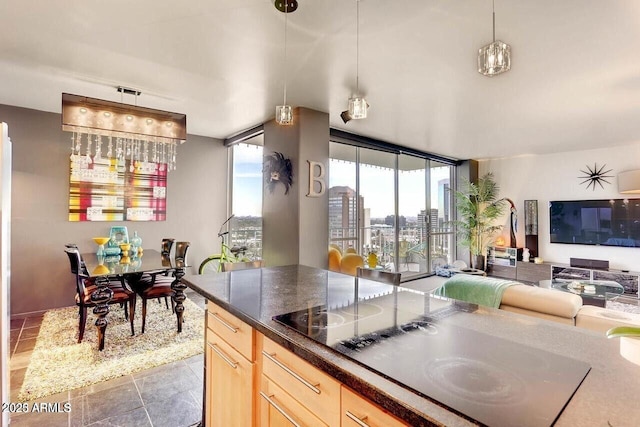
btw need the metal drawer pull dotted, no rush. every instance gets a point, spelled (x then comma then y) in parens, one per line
(272, 357)
(225, 324)
(359, 421)
(223, 356)
(278, 408)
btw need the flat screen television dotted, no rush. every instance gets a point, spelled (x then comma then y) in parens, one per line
(613, 222)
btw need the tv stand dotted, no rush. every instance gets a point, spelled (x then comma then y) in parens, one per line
(628, 279)
(531, 273)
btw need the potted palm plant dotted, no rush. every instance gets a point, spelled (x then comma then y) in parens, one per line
(478, 208)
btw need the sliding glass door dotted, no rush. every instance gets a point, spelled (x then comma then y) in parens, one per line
(394, 205)
(441, 233)
(413, 215)
(343, 203)
(377, 194)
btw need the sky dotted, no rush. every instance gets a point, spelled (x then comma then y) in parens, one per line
(247, 180)
(376, 184)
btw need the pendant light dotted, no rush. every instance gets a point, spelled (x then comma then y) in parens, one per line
(141, 135)
(494, 58)
(357, 104)
(284, 112)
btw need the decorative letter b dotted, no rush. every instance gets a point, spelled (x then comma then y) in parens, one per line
(313, 179)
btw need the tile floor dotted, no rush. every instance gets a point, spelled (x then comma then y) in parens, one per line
(169, 395)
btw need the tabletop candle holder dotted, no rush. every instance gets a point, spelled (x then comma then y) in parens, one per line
(100, 241)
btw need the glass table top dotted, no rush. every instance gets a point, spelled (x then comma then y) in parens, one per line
(149, 260)
(605, 289)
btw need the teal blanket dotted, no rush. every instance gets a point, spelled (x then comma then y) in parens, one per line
(479, 290)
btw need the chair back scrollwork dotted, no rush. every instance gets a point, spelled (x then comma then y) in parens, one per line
(181, 253)
(167, 243)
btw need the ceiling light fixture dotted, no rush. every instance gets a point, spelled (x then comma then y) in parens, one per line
(137, 133)
(284, 112)
(494, 58)
(357, 104)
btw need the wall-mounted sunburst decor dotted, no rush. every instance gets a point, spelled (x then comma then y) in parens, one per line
(595, 176)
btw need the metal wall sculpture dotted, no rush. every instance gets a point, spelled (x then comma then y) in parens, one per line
(278, 169)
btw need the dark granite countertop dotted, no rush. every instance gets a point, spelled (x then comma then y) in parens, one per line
(606, 397)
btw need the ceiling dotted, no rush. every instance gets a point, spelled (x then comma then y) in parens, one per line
(574, 82)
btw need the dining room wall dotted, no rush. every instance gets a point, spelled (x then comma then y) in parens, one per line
(40, 276)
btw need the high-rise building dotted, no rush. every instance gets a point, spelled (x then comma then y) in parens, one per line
(444, 199)
(342, 216)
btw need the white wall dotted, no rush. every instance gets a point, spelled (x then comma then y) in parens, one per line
(556, 177)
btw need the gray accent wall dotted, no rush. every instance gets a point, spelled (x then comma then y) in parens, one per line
(40, 276)
(314, 211)
(295, 226)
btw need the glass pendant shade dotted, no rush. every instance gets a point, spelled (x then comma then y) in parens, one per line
(494, 58)
(358, 108)
(284, 115)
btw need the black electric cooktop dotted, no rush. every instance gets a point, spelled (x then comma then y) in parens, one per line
(491, 380)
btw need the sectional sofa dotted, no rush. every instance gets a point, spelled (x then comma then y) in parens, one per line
(550, 304)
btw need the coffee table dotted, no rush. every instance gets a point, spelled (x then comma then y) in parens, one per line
(593, 292)
(449, 271)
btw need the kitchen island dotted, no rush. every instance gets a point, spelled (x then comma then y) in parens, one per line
(376, 343)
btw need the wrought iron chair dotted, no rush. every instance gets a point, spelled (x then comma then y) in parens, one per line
(85, 285)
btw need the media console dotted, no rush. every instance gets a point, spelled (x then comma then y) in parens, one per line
(528, 272)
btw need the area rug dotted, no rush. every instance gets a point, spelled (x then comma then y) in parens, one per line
(627, 307)
(59, 363)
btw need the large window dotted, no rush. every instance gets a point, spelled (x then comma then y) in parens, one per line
(395, 205)
(343, 206)
(246, 199)
(413, 214)
(377, 194)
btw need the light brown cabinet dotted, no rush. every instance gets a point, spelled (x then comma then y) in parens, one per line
(359, 412)
(252, 381)
(308, 385)
(230, 374)
(279, 408)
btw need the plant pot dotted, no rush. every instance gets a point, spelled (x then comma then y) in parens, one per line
(630, 349)
(477, 262)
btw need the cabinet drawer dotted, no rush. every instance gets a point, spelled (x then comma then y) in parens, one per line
(230, 385)
(317, 391)
(531, 272)
(359, 412)
(501, 271)
(278, 408)
(231, 329)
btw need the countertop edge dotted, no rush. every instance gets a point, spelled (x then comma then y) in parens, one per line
(312, 352)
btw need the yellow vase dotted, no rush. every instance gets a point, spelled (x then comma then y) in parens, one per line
(372, 260)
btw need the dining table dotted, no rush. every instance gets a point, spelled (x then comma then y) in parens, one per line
(101, 268)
